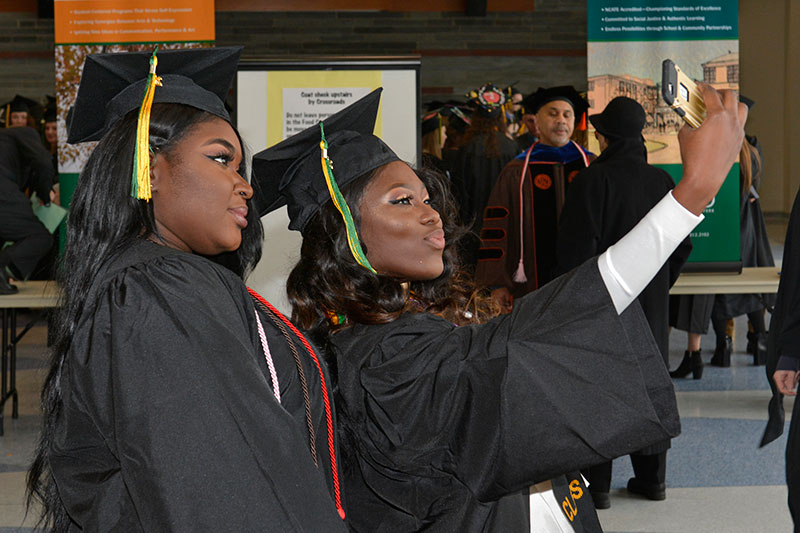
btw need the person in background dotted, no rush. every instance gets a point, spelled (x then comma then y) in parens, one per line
(756, 251)
(457, 120)
(24, 165)
(177, 399)
(604, 202)
(448, 411)
(485, 151)
(50, 133)
(518, 248)
(783, 366)
(19, 112)
(434, 136)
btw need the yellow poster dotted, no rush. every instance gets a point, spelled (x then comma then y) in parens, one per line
(305, 98)
(133, 21)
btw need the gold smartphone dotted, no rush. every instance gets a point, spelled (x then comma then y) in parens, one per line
(681, 93)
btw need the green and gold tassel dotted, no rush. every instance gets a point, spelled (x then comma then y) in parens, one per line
(140, 183)
(341, 205)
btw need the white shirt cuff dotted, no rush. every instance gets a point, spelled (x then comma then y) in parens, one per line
(629, 265)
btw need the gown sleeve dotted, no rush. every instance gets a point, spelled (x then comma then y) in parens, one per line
(561, 383)
(170, 423)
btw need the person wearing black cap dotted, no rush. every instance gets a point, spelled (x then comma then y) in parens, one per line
(486, 150)
(18, 112)
(24, 165)
(177, 399)
(447, 411)
(434, 135)
(517, 253)
(604, 202)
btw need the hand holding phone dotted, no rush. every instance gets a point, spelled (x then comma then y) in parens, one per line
(682, 94)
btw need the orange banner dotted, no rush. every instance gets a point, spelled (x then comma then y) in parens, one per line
(133, 21)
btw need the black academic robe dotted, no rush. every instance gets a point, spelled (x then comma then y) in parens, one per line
(604, 202)
(24, 164)
(537, 199)
(440, 422)
(169, 420)
(784, 341)
(473, 177)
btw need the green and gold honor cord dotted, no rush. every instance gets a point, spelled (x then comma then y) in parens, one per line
(341, 205)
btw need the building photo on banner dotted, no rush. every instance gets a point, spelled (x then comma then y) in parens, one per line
(278, 98)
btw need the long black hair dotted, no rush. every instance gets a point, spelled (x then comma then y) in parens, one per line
(103, 220)
(327, 281)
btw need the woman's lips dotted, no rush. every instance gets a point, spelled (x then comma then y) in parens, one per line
(436, 238)
(240, 214)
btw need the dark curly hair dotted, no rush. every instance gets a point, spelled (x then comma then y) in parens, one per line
(328, 280)
(104, 220)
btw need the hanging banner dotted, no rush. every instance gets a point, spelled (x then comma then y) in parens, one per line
(627, 43)
(84, 27)
(133, 21)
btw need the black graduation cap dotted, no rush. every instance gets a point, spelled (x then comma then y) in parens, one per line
(533, 102)
(431, 121)
(50, 110)
(747, 101)
(488, 100)
(21, 104)
(112, 85)
(290, 173)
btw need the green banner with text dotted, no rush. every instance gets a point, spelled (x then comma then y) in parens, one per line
(627, 42)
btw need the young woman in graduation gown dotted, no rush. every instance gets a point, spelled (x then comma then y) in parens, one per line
(447, 414)
(177, 400)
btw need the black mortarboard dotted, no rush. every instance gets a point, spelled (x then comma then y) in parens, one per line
(50, 110)
(50, 115)
(291, 173)
(623, 117)
(488, 100)
(112, 85)
(21, 104)
(431, 122)
(533, 102)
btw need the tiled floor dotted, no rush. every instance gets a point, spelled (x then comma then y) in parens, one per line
(717, 477)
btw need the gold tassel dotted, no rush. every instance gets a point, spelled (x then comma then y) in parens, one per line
(140, 185)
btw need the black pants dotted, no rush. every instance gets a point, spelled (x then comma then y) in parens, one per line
(18, 224)
(651, 469)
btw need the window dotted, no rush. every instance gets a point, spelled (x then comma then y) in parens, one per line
(733, 73)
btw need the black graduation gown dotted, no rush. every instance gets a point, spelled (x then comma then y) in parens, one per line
(439, 422)
(473, 177)
(169, 421)
(604, 202)
(784, 341)
(24, 164)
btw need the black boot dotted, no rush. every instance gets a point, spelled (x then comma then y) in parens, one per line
(752, 337)
(722, 354)
(760, 352)
(691, 364)
(5, 286)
